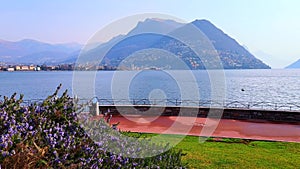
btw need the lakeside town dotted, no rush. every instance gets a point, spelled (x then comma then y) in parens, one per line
(71, 67)
(12, 68)
(44, 67)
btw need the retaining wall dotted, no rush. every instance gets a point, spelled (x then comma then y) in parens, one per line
(234, 113)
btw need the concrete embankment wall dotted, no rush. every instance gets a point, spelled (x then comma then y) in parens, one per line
(234, 113)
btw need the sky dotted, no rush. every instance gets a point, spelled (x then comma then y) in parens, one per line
(269, 29)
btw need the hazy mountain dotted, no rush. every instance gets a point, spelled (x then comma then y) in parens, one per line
(295, 65)
(45, 57)
(155, 25)
(265, 57)
(36, 52)
(72, 58)
(149, 34)
(232, 54)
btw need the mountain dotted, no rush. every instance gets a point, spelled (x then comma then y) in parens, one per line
(295, 65)
(155, 25)
(30, 51)
(232, 54)
(150, 44)
(133, 48)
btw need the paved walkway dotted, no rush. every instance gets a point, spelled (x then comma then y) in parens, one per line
(200, 127)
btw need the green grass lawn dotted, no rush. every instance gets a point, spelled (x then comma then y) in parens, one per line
(235, 153)
(256, 154)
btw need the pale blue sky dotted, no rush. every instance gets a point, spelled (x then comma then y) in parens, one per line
(268, 26)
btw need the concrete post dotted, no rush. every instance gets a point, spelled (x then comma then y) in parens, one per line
(97, 108)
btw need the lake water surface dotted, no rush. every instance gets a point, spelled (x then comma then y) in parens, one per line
(276, 85)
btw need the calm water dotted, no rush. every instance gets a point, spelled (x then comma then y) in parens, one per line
(281, 86)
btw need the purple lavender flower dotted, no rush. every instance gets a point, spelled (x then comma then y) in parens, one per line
(30, 128)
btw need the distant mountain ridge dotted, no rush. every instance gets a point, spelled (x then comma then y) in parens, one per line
(295, 65)
(30, 51)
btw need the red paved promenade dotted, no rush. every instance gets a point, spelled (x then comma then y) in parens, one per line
(193, 126)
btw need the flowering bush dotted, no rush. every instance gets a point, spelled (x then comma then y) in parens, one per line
(52, 135)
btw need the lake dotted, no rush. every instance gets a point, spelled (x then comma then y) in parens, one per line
(248, 86)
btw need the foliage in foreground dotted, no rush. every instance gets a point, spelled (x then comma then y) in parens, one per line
(52, 135)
